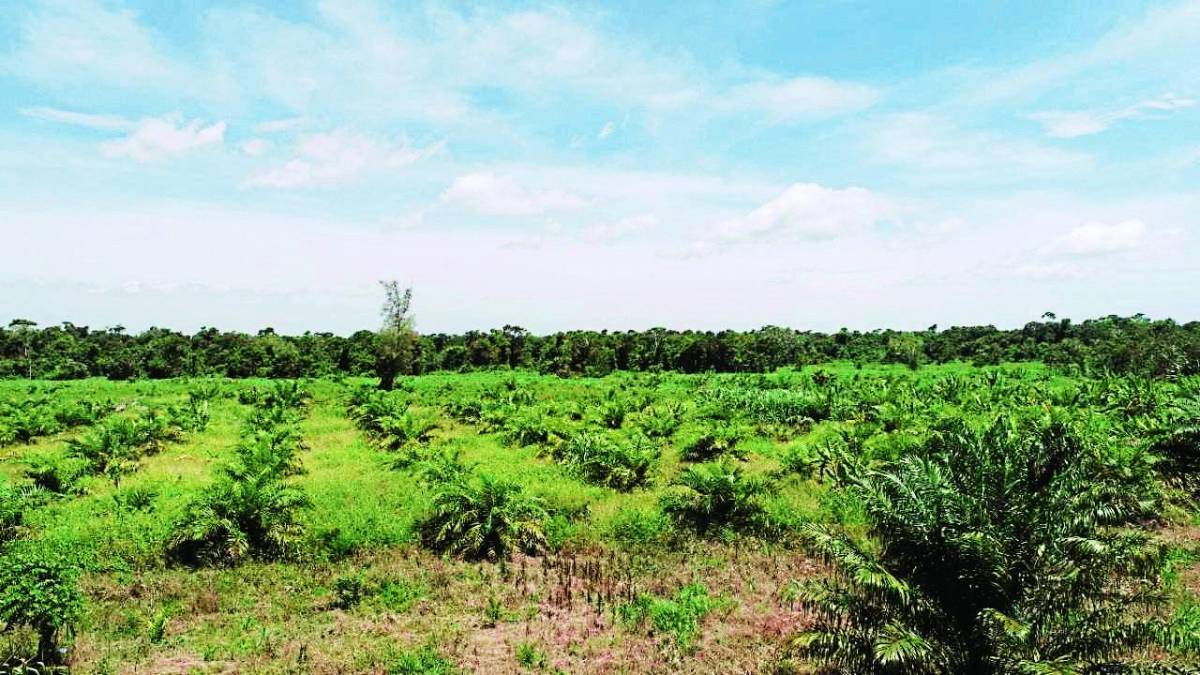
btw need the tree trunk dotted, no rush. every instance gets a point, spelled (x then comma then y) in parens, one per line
(387, 381)
(47, 647)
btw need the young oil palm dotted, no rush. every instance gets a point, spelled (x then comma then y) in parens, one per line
(484, 517)
(1001, 550)
(716, 495)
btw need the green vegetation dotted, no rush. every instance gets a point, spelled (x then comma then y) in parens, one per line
(1126, 345)
(678, 616)
(1029, 519)
(867, 518)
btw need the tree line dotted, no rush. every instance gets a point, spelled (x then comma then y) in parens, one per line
(1137, 344)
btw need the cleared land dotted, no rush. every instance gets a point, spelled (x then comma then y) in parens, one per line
(622, 574)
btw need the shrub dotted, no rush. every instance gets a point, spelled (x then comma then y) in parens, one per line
(368, 406)
(28, 420)
(1177, 445)
(250, 509)
(713, 442)
(1000, 550)
(661, 421)
(716, 495)
(422, 661)
(12, 507)
(824, 458)
(109, 448)
(135, 498)
(39, 589)
(529, 655)
(233, 518)
(444, 465)
(679, 616)
(285, 394)
(621, 465)
(612, 413)
(59, 476)
(396, 432)
(468, 410)
(484, 517)
(637, 527)
(397, 595)
(348, 590)
(528, 426)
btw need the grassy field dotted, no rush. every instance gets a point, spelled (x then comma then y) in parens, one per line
(619, 581)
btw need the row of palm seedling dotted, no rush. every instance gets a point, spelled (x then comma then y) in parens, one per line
(115, 446)
(31, 417)
(251, 509)
(387, 418)
(39, 592)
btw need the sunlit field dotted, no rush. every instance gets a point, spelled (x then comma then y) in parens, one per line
(514, 522)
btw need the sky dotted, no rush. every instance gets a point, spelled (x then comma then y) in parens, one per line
(598, 165)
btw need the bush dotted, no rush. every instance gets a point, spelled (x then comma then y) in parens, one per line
(26, 421)
(403, 431)
(661, 421)
(679, 616)
(109, 448)
(713, 442)
(1000, 550)
(12, 508)
(348, 590)
(113, 446)
(250, 510)
(39, 589)
(528, 426)
(484, 518)
(135, 498)
(637, 527)
(621, 465)
(529, 655)
(716, 495)
(59, 476)
(422, 661)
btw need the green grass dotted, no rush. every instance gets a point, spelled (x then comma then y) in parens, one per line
(277, 616)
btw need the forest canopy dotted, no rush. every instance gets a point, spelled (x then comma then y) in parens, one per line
(1137, 344)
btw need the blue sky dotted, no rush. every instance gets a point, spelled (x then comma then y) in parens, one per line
(598, 165)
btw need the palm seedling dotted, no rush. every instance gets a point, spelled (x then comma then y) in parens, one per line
(998, 551)
(484, 518)
(717, 495)
(621, 465)
(716, 440)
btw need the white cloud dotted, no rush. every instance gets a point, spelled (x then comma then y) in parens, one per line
(1161, 44)
(808, 211)
(160, 137)
(84, 42)
(1059, 124)
(932, 144)
(1097, 239)
(489, 193)
(606, 131)
(938, 229)
(255, 146)
(89, 120)
(1065, 124)
(625, 227)
(1049, 271)
(338, 157)
(280, 125)
(801, 98)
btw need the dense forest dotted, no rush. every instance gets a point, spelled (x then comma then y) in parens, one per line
(1157, 348)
